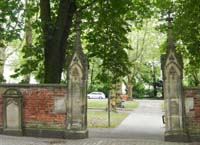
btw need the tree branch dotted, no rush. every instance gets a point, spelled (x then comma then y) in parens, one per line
(71, 11)
(62, 20)
(45, 16)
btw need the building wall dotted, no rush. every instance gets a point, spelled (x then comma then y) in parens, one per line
(39, 108)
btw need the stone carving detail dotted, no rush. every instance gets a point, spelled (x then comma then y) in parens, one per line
(174, 107)
(77, 84)
(171, 58)
(12, 111)
(77, 100)
(59, 105)
(173, 92)
(172, 72)
(76, 76)
(12, 114)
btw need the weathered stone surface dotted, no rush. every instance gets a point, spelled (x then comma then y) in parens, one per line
(77, 84)
(189, 104)
(13, 117)
(172, 66)
(12, 112)
(59, 105)
(174, 108)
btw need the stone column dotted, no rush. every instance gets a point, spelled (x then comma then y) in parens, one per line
(172, 66)
(76, 121)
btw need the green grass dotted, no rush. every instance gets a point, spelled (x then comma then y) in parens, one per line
(99, 119)
(103, 104)
(97, 104)
(162, 106)
(131, 104)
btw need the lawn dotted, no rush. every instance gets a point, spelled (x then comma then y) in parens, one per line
(103, 104)
(97, 103)
(131, 104)
(99, 119)
(162, 106)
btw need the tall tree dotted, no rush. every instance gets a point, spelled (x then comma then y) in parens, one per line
(144, 56)
(55, 35)
(57, 20)
(10, 26)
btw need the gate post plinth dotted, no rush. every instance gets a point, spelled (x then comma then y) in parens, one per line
(76, 121)
(172, 66)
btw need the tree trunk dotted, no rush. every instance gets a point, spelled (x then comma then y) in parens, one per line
(130, 87)
(91, 77)
(154, 81)
(2, 61)
(55, 37)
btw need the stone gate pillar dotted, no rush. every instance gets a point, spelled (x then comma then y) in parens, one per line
(172, 66)
(76, 121)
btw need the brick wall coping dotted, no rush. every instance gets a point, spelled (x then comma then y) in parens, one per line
(34, 85)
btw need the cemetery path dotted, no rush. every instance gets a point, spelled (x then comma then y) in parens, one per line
(143, 123)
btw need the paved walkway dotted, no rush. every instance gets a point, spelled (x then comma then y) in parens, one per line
(143, 123)
(8, 140)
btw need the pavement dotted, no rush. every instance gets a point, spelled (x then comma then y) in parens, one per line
(8, 140)
(143, 123)
(142, 127)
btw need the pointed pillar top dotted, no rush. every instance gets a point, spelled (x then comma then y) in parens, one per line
(77, 43)
(170, 40)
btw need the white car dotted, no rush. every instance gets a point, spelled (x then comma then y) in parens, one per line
(96, 95)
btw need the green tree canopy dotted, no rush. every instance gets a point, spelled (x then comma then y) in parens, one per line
(104, 28)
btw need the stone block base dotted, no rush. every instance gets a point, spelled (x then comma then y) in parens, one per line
(195, 138)
(172, 136)
(12, 132)
(47, 133)
(76, 134)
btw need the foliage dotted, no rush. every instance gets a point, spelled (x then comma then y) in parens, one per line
(31, 55)
(187, 29)
(192, 75)
(145, 58)
(113, 19)
(105, 25)
(10, 27)
(10, 21)
(1, 78)
(111, 48)
(187, 32)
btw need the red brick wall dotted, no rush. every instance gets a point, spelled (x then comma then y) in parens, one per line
(193, 116)
(195, 94)
(38, 105)
(1, 108)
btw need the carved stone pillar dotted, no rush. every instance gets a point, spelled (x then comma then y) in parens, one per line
(172, 66)
(76, 121)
